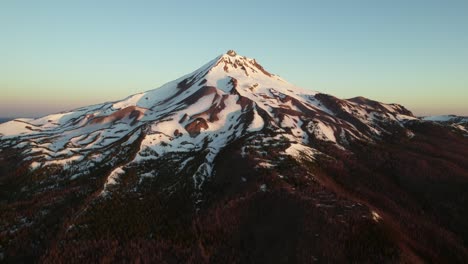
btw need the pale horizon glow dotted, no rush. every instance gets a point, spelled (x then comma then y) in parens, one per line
(58, 55)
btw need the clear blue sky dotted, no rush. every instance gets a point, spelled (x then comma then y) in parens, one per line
(58, 55)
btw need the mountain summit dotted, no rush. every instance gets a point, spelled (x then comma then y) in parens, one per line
(233, 164)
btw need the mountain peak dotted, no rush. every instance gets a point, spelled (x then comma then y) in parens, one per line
(231, 53)
(231, 62)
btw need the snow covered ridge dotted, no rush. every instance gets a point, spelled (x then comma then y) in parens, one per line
(228, 98)
(446, 118)
(458, 123)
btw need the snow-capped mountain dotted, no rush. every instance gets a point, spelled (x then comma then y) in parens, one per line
(233, 164)
(229, 98)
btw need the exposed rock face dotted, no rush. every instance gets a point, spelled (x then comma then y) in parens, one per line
(231, 53)
(194, 127)
(132, 113)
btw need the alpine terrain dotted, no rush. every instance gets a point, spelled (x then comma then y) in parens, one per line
(233, 164)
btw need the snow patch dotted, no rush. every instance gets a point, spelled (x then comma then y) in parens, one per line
(257, 123)
(265, 164)
(34, 165)
(299, 150)
(112, 179)
(322, 131)
(375, 216)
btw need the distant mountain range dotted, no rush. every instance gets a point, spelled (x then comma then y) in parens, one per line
(233, 164)
(3, 120)
(457, 123)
